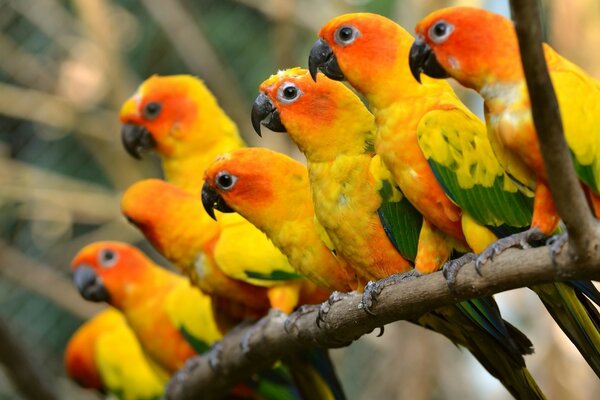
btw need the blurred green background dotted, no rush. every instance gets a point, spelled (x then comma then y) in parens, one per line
(65, 69)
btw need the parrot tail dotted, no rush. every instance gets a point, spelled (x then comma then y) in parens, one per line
(315, 376)
(478, 326)
(570, 306)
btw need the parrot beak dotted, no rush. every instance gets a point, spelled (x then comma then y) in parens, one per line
(212, 200)
(90, 285)
(422, 59)
(136, 139)
(265, 113)
(322, 58)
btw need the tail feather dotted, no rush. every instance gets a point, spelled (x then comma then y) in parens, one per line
(497, 345)
(587, 288)
(577, 317)
(315, 376)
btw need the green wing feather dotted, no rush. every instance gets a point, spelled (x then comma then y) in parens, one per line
(401, 221)
(456, 146)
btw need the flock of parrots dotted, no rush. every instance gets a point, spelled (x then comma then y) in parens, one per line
(403, 184)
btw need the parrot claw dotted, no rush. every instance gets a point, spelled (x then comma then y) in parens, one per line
(374, 289)
(555, 245)
(213, 356)
(326, 306)
(451, 268)
(290, 321)
(518, 240)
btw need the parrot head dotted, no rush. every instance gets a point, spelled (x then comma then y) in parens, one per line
(319, 116)
(80, 360)
(170, 218)
(255, 182)
(361, 48)
(169, 114)
(108, 271)
(472, 45)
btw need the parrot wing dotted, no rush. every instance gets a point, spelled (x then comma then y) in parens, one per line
(579, 102)
(401, 221)
(243, 252)
(456, 146)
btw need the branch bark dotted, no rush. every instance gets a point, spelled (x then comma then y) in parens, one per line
(346, 321)
(570, 201)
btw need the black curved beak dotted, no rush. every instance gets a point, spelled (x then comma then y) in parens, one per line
(212, 200)
(90, 285)
(321, 57)
(422, 59)
(136, 139)
(265, 113)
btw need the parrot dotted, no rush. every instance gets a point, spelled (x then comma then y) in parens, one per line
(95, 354)
(179, 118)
(175, 223)
(438, 152)
(254, 189)
(172, 319)
(511, 137)
(296, 232)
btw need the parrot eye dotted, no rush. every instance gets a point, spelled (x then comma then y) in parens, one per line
(107, 258)
(288, 93)
(440, 31)
(225, 180)
(151, 110)
(345, 35)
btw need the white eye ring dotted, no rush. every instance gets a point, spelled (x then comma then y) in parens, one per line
(288, 93)
(108, 258)
(346, 35)
(440, 31)
(225, 181)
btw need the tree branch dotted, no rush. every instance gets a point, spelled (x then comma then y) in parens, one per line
(346, 321)
(571, 203)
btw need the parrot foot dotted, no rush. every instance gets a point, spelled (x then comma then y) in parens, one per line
(290, 321)
(326, 306)
(555, 245)
(374, 289)
(213, 356)
(519, 240)
(451, 268)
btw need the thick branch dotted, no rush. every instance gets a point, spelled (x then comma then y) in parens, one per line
(30, 380)
(346, 321)
(564, 184)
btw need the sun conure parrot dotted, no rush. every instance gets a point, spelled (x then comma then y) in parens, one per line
(439, 154)
(105, 355)
(454, 152)
(180, 119)
(175, 223)
(171, 319)
(367, 219)
(284, 212)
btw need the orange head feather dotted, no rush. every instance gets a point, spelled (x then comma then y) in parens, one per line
(171, 219)
(80, 361)
(472, 45)
(370, 50)
(260, 184)
(178, 112)
(113, 272)
(324, 118)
